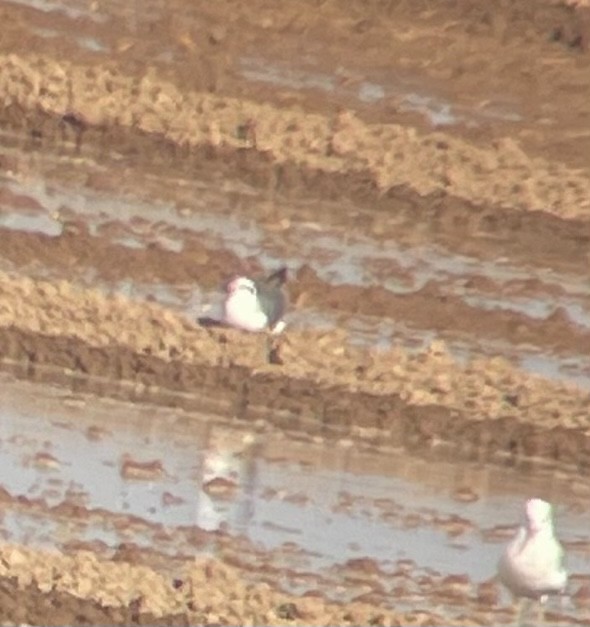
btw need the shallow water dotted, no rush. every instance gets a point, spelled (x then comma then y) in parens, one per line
(73, 10)
(327, 504)
(408, 95)
(90, 43)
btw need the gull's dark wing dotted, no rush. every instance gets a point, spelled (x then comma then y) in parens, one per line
(273, 300)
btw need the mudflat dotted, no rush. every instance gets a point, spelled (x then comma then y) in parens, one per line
(423, 169)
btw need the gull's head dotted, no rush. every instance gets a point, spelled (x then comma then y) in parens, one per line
(241, 284)
(538, 515)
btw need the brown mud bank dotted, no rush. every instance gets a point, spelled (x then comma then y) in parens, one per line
(487, 409)
(509, 188)
(499, 194)
(505, 204)
(55, 589)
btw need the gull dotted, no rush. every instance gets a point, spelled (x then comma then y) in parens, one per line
(532, 564)
(256, 304)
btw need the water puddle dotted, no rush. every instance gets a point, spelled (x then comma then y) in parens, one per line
(90, 43)
(308, 508)
(73, 10)
(408, 96)
(40, 223)
(438, 113)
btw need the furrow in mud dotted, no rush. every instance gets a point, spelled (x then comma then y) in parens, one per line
(360, 58)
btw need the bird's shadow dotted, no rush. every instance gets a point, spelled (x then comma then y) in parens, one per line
(207, 322)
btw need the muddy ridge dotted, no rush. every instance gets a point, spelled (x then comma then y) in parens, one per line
(350, 201)
(85, 589)
(486, 410)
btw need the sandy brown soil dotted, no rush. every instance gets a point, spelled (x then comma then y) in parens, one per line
(271, 97)
(45, 588)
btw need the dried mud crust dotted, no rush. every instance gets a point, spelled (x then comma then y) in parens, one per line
(487, 410)
(162, 101)
(56, 589)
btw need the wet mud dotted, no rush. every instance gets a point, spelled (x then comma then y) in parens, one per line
(422, 171)
(136, 508)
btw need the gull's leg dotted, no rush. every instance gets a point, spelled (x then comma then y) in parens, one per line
(272, 343)
(518, 617)
(522, 605)
(541, 616)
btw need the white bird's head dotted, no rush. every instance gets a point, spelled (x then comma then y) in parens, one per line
(538, 515)
(241, 283)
